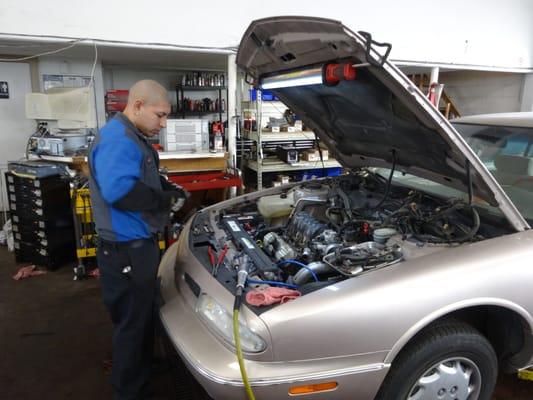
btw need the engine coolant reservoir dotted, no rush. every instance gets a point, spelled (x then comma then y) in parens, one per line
(279, 205)
(311, 191)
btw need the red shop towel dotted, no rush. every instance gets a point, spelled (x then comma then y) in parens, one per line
(270, 295)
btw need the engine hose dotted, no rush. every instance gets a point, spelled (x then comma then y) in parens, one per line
(236, 336)
(346, 202)
(389, 181)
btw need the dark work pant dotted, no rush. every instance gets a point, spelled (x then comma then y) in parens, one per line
(128, 275)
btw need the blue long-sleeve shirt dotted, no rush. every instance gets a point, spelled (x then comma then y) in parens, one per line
(119, 158)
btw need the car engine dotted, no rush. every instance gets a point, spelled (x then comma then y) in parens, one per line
(319, 232)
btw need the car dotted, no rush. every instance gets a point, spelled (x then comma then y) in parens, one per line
(412, 270)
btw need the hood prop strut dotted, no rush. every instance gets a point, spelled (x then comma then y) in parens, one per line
(469, 182)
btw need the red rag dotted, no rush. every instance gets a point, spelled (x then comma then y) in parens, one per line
(271, 295)
(95, 273)
(27, 272)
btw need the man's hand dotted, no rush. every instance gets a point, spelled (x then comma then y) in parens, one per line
(179, 194)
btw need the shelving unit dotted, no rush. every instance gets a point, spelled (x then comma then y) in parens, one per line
(266, 139)
(273, 165)
(180, 95)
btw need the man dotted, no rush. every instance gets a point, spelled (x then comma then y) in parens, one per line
(131, 203)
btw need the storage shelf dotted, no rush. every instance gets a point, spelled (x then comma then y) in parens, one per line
(279, 136)
(279, 166)
(201, 87)
(174, 155)
(181, 113)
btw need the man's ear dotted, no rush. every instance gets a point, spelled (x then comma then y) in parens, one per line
(137, 106)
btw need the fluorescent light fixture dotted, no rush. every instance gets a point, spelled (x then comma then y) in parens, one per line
(305, 77)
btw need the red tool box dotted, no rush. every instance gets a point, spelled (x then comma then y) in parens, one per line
(116, 100)
(206, 181)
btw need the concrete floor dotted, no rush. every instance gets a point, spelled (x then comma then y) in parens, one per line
(55, 334)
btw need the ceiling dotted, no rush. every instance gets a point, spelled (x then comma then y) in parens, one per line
(122, 54)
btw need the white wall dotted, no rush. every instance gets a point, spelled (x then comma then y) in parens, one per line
(475, 92)
(492, 33)
(62, 66)
(15, 129)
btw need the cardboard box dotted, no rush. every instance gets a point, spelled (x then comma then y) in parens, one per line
(314, 155)
(289, 128)
(310, 155)
(283, 179)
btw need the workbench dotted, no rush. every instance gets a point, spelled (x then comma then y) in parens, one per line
(173, 161)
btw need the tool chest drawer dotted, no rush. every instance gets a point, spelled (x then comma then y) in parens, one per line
(42, 220)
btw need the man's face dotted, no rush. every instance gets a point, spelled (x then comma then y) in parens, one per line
(151, 118)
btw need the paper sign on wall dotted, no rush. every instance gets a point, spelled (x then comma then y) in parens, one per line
(4, 90)
(65, 81)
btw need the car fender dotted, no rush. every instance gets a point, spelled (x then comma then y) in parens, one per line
(450, 308)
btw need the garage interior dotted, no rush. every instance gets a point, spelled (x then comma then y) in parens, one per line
(55, 333)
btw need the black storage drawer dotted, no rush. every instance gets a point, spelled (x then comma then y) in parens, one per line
(40, 255)
(42, 219)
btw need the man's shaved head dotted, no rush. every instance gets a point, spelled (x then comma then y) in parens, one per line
(149, 91)
(148, 107)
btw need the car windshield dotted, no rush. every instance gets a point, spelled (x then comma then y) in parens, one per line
(507, 152)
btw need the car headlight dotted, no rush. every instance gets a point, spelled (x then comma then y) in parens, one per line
(221, 321)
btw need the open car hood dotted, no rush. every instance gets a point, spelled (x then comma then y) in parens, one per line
(378, 119)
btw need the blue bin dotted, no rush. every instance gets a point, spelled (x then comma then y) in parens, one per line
(266, 95)
(309, 174)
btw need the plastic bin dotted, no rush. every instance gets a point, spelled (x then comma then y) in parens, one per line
(266, 95)
(309, 174)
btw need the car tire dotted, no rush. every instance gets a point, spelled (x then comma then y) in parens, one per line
(445, 362)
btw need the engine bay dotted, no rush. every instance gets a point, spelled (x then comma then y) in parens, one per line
(320, 232)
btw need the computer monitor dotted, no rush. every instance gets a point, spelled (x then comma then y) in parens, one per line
(72, 108)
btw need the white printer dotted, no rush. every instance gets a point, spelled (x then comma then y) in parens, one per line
(185, 136)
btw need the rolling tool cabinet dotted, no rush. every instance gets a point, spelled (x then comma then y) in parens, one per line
(84, 229)
(41, 218)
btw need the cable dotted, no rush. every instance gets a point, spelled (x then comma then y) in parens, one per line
(273, 283)
(242, 276)
(389, 181)
(240, 357)
(296, 262)
(94, 63)
(72, 44)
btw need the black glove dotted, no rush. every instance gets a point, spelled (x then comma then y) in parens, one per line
(178, 194)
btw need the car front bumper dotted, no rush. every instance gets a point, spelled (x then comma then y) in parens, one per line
(215, 366)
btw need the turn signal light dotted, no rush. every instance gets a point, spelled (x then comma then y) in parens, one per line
(317, 388)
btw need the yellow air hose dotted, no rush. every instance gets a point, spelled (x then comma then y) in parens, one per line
(240, 357)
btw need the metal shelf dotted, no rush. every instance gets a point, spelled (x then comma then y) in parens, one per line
(280, 166)
(279, 136)
(189, 112)
(174, 155)
(265, 140)
(180, 96)
(200, 87)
